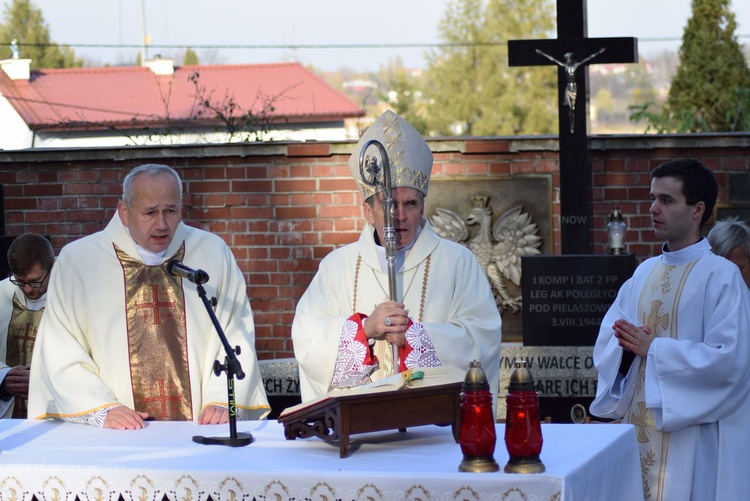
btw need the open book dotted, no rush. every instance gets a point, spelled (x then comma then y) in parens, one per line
(412, 378)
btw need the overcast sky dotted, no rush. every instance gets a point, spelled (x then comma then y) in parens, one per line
(84, 24)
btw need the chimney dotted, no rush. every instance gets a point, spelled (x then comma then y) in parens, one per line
(16, 69)
(161, 66)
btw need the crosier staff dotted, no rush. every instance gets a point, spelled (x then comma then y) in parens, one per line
(368, 171)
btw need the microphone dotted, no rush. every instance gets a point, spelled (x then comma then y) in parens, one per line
(177, 269)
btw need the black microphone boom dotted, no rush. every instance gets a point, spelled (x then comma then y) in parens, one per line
(177, 269)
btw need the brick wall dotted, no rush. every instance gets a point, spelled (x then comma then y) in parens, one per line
(281, 207)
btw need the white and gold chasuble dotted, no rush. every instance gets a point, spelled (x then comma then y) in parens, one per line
(689, 398)
(157, 339)
(657, 307)
(118, 332)
(451, 301)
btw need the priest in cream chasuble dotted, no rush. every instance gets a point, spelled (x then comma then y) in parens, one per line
(121, 338)
(444, 314)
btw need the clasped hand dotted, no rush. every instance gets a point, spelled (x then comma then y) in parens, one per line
(389, 320)
(633, 338)
(16, 382)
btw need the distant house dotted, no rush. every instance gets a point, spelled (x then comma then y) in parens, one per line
(161, 104)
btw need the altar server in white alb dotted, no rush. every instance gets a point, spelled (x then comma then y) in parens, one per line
(23, 297)
(673, 352)
(122, 339)
(444, 312)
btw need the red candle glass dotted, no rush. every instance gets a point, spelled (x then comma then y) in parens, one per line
(523, 430)
(477, 434)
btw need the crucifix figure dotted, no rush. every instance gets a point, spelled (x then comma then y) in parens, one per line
(571, 89)
(571, 51)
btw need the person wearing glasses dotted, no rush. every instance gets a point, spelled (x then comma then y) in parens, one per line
(23, 296)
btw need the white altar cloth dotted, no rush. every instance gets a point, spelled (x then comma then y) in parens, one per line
(58, 461)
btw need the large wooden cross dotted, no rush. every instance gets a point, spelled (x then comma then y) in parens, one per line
(572, 51)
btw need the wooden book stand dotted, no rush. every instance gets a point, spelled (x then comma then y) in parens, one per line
(336, 418)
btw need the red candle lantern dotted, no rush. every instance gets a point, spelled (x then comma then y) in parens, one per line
(477, 435)
(523, 431)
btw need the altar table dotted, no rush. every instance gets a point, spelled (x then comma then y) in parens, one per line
(57, 461)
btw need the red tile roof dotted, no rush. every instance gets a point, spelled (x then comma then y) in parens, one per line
(132, 97)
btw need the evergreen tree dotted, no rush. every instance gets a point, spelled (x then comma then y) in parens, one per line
(190, 58)
(24, 23)
(470, 88)
(713, 71)
(710, 91)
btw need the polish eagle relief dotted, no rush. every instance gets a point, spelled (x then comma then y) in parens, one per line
(498, 246)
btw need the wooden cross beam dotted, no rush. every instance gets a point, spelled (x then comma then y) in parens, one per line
(572, 51)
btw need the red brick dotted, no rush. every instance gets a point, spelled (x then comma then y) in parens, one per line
(30, 203)
(279, 199)
(303, 170)
(339, 238)
(233, 199)
(301, 198)
(44, 216)
(279, 279)
(334, 211)
(342, 170)
(256, 279)
(321, 171)
(280, 252)
(337, 184)
(345, 225)
(306, 185)
(278, 171)
(477, 168)
(322, 225)
(264, 186)
(27, 177)
(213, 201)
(251, 212)
(453, 169)
(208, 186)
(500, 168)
(473, 146)
(308, 150)
(322, 199)
(346, 198)
(43, 190)
(321, 251)
(295, 212)
(216, 213)
(263, 199)
(8, 178)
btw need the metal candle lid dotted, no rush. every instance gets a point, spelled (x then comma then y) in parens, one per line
(520, 378)
(475, 379)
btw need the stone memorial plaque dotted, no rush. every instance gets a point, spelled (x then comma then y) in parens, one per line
(564, 378)
(481, 234)
(281, 382)
(565, 297)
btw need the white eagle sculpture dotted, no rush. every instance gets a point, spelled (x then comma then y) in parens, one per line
(498, 247)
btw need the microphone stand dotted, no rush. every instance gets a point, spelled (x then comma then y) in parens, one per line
(233, 368)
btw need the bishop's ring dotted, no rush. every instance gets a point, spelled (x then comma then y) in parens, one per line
(388, 321)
